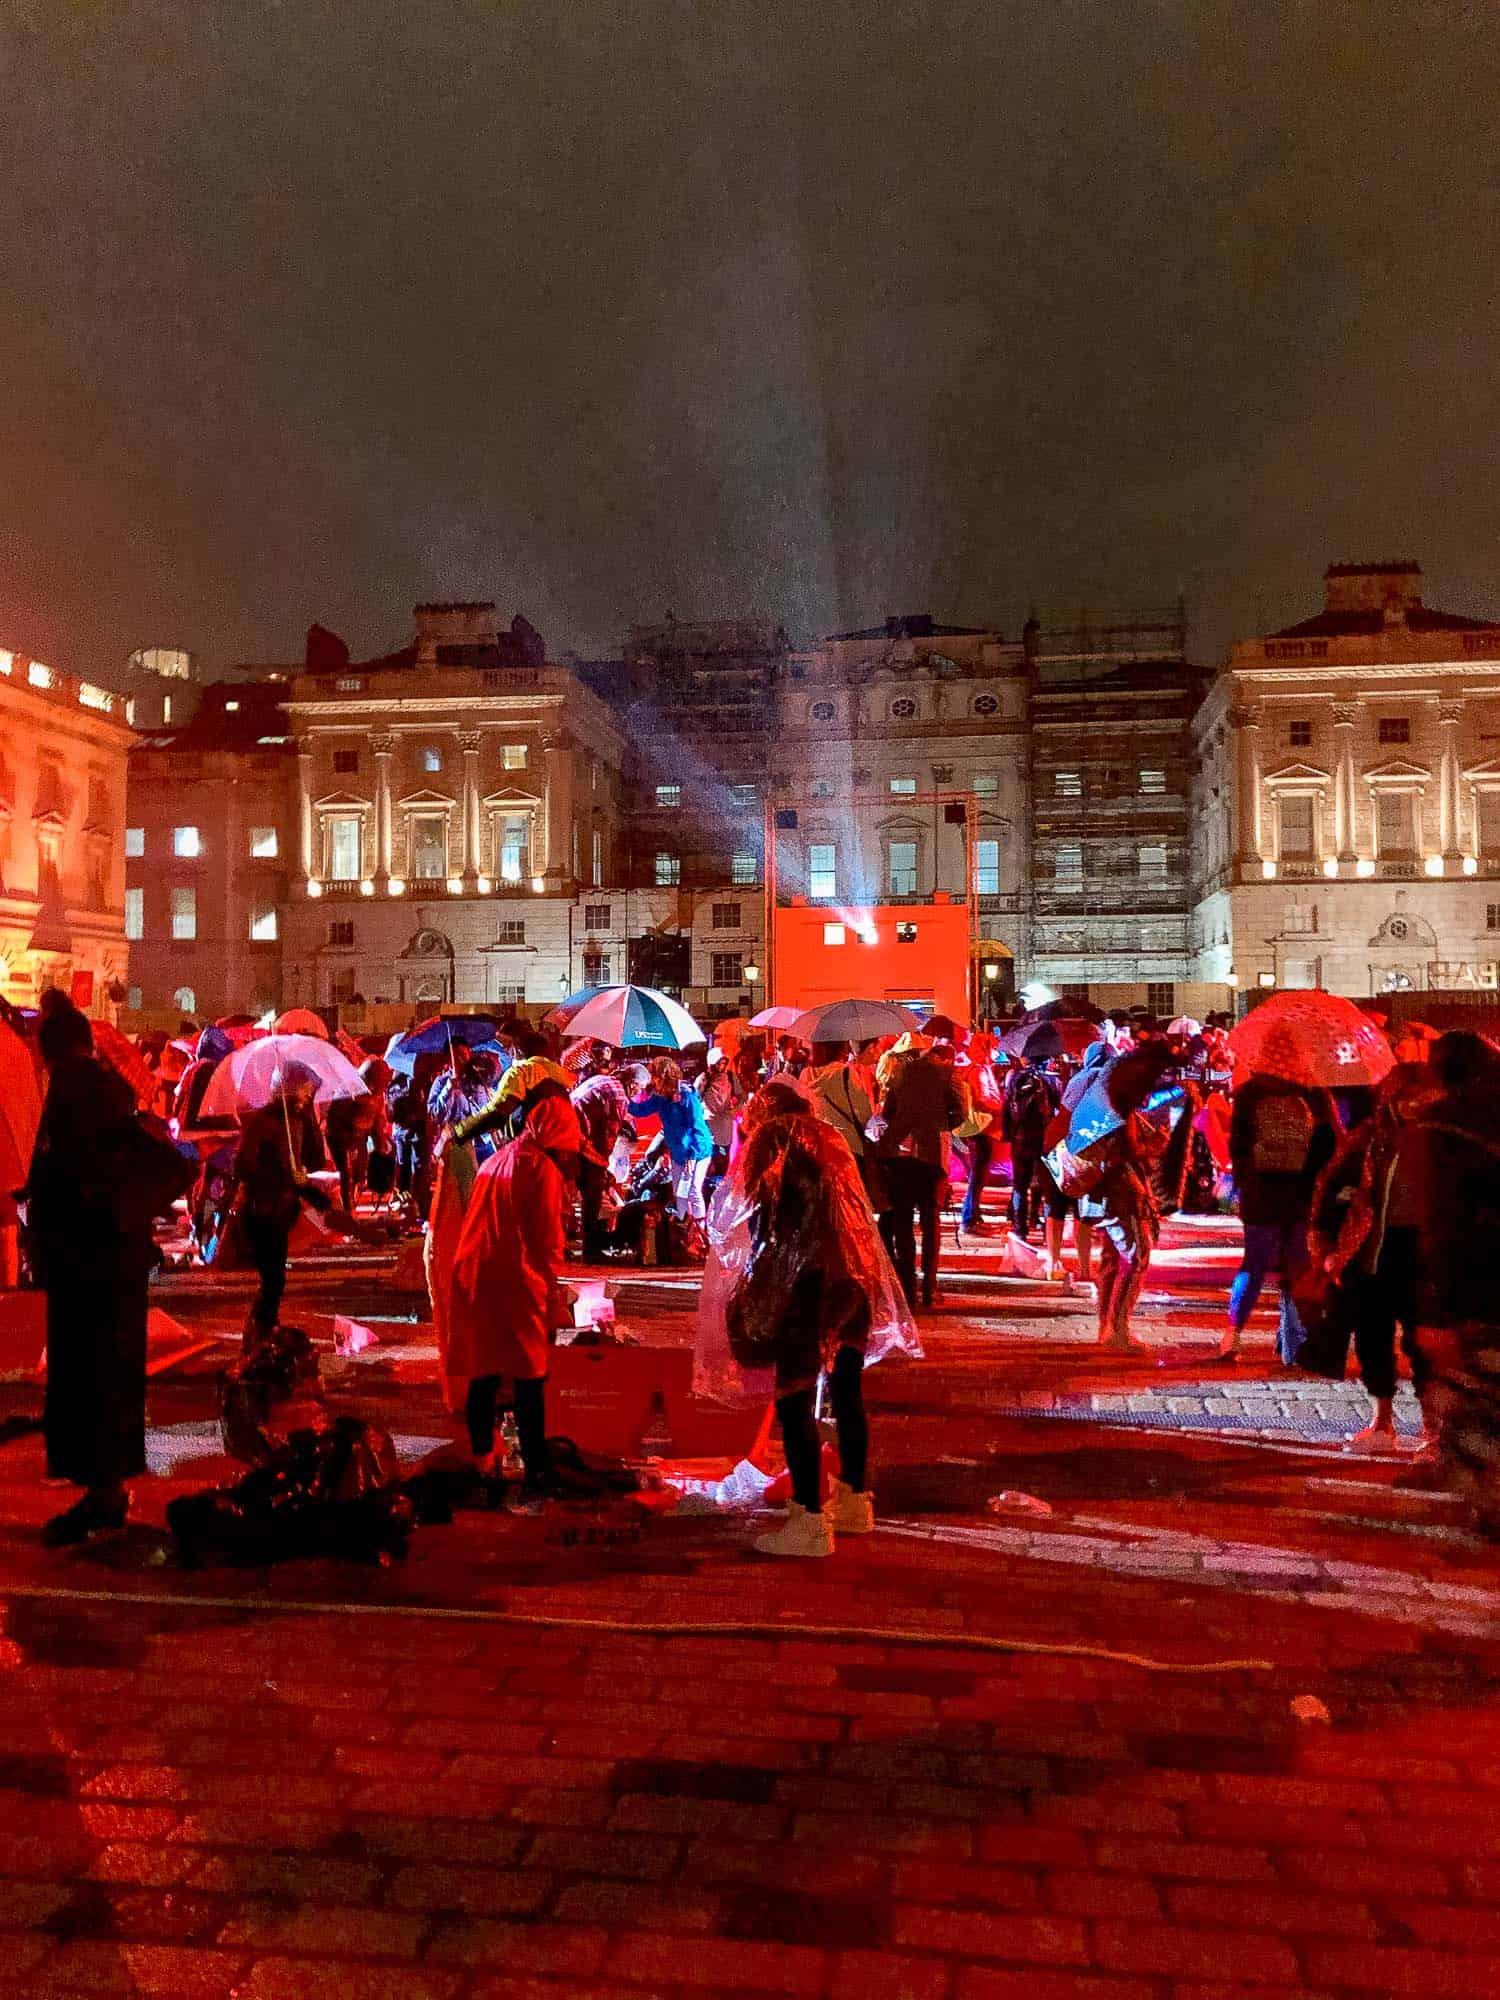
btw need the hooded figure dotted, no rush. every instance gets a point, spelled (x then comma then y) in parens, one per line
(502, 1291)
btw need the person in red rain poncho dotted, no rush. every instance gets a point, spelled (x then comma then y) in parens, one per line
(503, 1302)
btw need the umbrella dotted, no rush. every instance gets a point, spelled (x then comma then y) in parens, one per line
(627, 1017)
(779, 1019)
(1184, 1024)
(247, 1077)
(1066, 1009)
(301, 1021)
(729, 1034)
(126, 1060)
(439, 1036)
(852, 1021)
(20, 1109)
(1044, 1040)
(1313, 1038)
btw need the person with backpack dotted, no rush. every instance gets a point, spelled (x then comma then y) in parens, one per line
(1030, 1099)
(1281, 1135)
(684, 1128)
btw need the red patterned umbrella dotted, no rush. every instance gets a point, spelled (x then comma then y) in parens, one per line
(123, 1056)
(1312, 1038)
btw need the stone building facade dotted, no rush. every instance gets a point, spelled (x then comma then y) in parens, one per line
(63, 746)
(210, 840)
(1346, 810)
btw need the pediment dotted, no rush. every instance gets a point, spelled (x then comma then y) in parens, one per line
(900, 822)
(432, 800)
(1298, 774)
(341, 801)
(1488, 771)
(511, 800)
(427, 943)
(1397, 770)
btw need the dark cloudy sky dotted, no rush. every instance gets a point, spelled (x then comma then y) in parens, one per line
(827, 308)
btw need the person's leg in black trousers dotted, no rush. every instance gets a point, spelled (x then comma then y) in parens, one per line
(266, 1238)
(480, 1407)
(531, 1430)
(930, 1213)
(1022, 1173)
(899, 1235)
(849, 1417)
(803, 1447)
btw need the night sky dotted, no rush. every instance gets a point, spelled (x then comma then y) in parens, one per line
(822, 308)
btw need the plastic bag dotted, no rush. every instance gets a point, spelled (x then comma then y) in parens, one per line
(836, 1235)
(270, 1392)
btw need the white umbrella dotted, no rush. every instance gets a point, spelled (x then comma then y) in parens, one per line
(853, 1021)
(779, 1018)
(627, 1017)
(249, 1077)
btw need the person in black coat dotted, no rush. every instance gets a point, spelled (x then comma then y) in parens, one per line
(92, 1252)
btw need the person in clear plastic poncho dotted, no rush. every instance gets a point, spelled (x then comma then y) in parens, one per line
(798, 1282)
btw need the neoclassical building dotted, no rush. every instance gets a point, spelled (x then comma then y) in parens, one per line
(1346, 807)
(63, 745)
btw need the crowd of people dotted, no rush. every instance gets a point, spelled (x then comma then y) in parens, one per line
(813, 1180)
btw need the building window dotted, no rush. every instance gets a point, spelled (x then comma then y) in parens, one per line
(669, 796)
(185, 1000)
(726, 916)
(821, 788)
(901, 867)
(906, 933)
(1395, 729)
(987, 867)
(512, 931)
(1295, 821)
(833, 933)
(166, 716)
(263, 924)
(513, 757)
(343, 847)
(1153, 781)
(515, 840)
(429, 847)
(1067, 867)
(346, 761)
(1161, 999)
(1299, 735)
(728, 968)
(904, 788)
(1492, 917)
(596, 968)
(184, 913)
(596, 858)
(1488, 819)
(742, 796)
(822, 711)
(668, 870)
(264, 846)
(135, 914)
(822, 869)
(986, 785)
(1151, 864)
(432, 757)
(903, 709)
(185, 843)
(1395, 822)
(133, 999)
(1067, 784)
(341, 932)
(135, 842)
(1299, 918)
(596, 916)
(986, 704)
(744, 868)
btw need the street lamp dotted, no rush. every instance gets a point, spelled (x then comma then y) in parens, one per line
(752, 973)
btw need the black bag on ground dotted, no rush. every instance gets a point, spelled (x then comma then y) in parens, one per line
(587, 1475)
(279, 1374)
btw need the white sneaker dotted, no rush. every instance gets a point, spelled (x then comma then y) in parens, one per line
(1373, 1442)
(803, 1535)
(851, 1513)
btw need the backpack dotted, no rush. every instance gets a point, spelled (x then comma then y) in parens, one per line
(1284, 1127)
(1030, 1100)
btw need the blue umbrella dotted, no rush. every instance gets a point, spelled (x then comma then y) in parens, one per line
(627, 1017)
(437, 1036)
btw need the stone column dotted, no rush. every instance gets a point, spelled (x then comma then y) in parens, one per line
(382, 747)
(305, 814)
(468, 742)
(1246, 722)
(558, 750)
(1345, 717)
(1450, 723)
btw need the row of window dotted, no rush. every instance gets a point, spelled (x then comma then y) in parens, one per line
(904, 708)
(744, 870)
(513, 757)
(1151, 863)
(182, 906)
(742, 797)
(1150, 782)
(900, 868)
(1388, 729)
(187, 843)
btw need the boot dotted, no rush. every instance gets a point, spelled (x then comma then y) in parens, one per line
(803, 1534)
(851, 1513)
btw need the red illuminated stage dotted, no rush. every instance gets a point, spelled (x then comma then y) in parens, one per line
(916, 954)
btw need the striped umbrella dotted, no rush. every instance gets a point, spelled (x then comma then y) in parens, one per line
(627, 1017)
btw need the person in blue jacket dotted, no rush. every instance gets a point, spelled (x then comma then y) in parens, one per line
(685, 1130)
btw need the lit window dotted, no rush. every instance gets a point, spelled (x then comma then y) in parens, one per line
(185, 1000)
(263, 925)
(511, 931)
(7, 661)
(429, 847)
(1295, 820)
(1153, 781)
(821, 788)
(130, 718)
(135, 914)
(986, 704)
(231, 708)
(986, 785)
(166, 716)
(822, 711)
(744, 868)
(133, 999)
(822, 870)
(726, 916)
(135, 842)
(596, 968)
(669, 795)
(432, 757)
(668, 870)
(901, 867)
(1395, 822)
(515, 844)
(987, 867)
(727, 968)
(1151, 864)
(184, 913)
(1068, 866)
(344, 847)
(349, 684)
(263, 843)
(513, 757)
(185, 843)
(1067, 784)
(38, 675)
(742, 795)
(904, 788)
(1395, 729)
(596, 859)
(833, 934)
(906, 933)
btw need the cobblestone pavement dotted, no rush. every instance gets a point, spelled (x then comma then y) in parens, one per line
(977, 1756)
